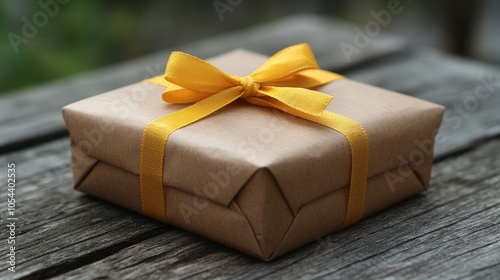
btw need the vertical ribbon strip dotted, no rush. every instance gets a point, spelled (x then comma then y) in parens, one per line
(282, 82)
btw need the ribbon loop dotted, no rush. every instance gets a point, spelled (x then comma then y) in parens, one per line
(194, 74)
(286, 63)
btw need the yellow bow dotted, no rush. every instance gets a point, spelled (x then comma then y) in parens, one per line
(281, 82)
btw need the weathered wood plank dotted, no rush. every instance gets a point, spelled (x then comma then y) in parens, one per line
(33, 114)
(470, 91)
(452, 230)
(59, 229)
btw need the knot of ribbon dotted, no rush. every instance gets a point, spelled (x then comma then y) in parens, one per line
(250, 87)
(284, 82)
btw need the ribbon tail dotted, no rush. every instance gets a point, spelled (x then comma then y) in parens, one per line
(358, 143)
(155, 138)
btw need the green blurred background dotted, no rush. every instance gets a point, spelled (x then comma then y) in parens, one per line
(84, 35)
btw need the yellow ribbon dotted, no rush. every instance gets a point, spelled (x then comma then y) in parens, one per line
(281, 82)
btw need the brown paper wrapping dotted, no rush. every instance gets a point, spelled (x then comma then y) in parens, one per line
(254, 178)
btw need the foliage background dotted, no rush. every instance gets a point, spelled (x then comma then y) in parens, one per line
(85, 35)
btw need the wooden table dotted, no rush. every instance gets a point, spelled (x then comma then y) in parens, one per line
(451, 231)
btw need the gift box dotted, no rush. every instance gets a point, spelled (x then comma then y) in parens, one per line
(254, 178)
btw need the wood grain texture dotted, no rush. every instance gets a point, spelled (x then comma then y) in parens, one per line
(452, 231)
(469, 90)
(33, 115)
(59, 228)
